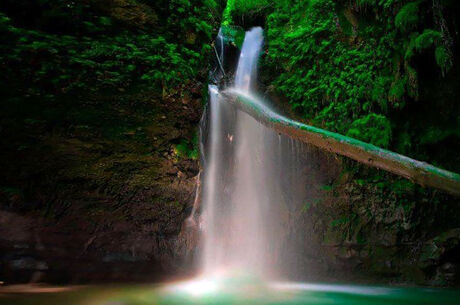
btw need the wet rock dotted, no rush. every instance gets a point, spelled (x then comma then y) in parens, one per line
(27, 263)
(130, 12)
(435, 248)
(446, 274)
(119, 257)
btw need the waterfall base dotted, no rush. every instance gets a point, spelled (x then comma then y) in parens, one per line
(226, 292)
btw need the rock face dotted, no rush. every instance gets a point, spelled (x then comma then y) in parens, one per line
(105, 199)
(130, 12)
(366, 225)
(103, 209)
(362, 224)
(98, 187)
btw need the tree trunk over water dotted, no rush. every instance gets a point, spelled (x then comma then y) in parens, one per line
(418, 172)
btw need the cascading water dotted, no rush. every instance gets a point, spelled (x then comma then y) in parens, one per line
(255, 184)
(212, 180)
(247, 65)
(250, 174)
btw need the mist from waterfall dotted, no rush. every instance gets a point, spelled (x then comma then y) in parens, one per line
(250, 184)
(256, 188)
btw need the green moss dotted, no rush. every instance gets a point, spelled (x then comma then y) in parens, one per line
(227, 15)
(185, 150)
(427, 39)
(407, 18)
(188, 148)
(373, 128)
(239, 8)
(233, 34)
(338, 62)
(95, 53)
(443, 59)
(397, 91)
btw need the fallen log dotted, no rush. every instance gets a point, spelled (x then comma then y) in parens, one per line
(418, 172)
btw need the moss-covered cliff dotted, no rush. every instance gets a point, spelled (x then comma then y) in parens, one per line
(384, 72)
(99, 112)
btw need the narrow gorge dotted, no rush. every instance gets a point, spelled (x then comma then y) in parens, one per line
(235, 152)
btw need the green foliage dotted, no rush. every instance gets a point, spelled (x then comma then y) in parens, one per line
(233, 34)
(67, 63)
(227, 15)
(189, 17)
(241, 8)
(407, 17)
(443, 58)
(373, 128)
(188, 148)
(432, 38)
(397, 91)
(348, 67)
(244, 6)
(331, 81)
(427, 39)
(93, 52)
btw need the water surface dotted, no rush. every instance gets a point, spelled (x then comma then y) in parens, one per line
(240, 291)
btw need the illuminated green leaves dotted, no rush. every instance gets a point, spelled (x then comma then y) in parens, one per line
(407, 17)
(372, 128)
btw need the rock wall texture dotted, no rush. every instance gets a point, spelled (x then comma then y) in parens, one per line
(96, 183)
(370, 226)
(96, 199)
(96, 186)
(358, 223)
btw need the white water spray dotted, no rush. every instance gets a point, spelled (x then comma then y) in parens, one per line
(249, 57)
(249, 175)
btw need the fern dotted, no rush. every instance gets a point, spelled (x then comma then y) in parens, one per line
(427, 39)
(407, 17)
(372, 128)
(443, 59)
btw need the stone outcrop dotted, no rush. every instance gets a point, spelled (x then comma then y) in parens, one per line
(103, 209)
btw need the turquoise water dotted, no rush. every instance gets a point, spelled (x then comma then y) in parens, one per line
(239, 292)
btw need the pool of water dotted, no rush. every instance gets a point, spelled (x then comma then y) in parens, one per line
(231, 291)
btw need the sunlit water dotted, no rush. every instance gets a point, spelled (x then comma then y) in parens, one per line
(241, 292)
(249, 182)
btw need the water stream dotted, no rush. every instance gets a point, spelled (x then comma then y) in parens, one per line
(254, 181)
(245, 192)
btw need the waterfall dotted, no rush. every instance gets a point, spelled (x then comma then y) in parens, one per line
(213, 171)
(249, 56)
(253, 182)
(256, 188)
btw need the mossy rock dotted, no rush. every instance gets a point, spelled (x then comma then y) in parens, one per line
(435, 248)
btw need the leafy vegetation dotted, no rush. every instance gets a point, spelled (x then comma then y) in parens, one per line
(241, 8)
(375, 128)
(356, 67)
(93, 50)
(407, 17)
(188, 149)
(96, 95)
